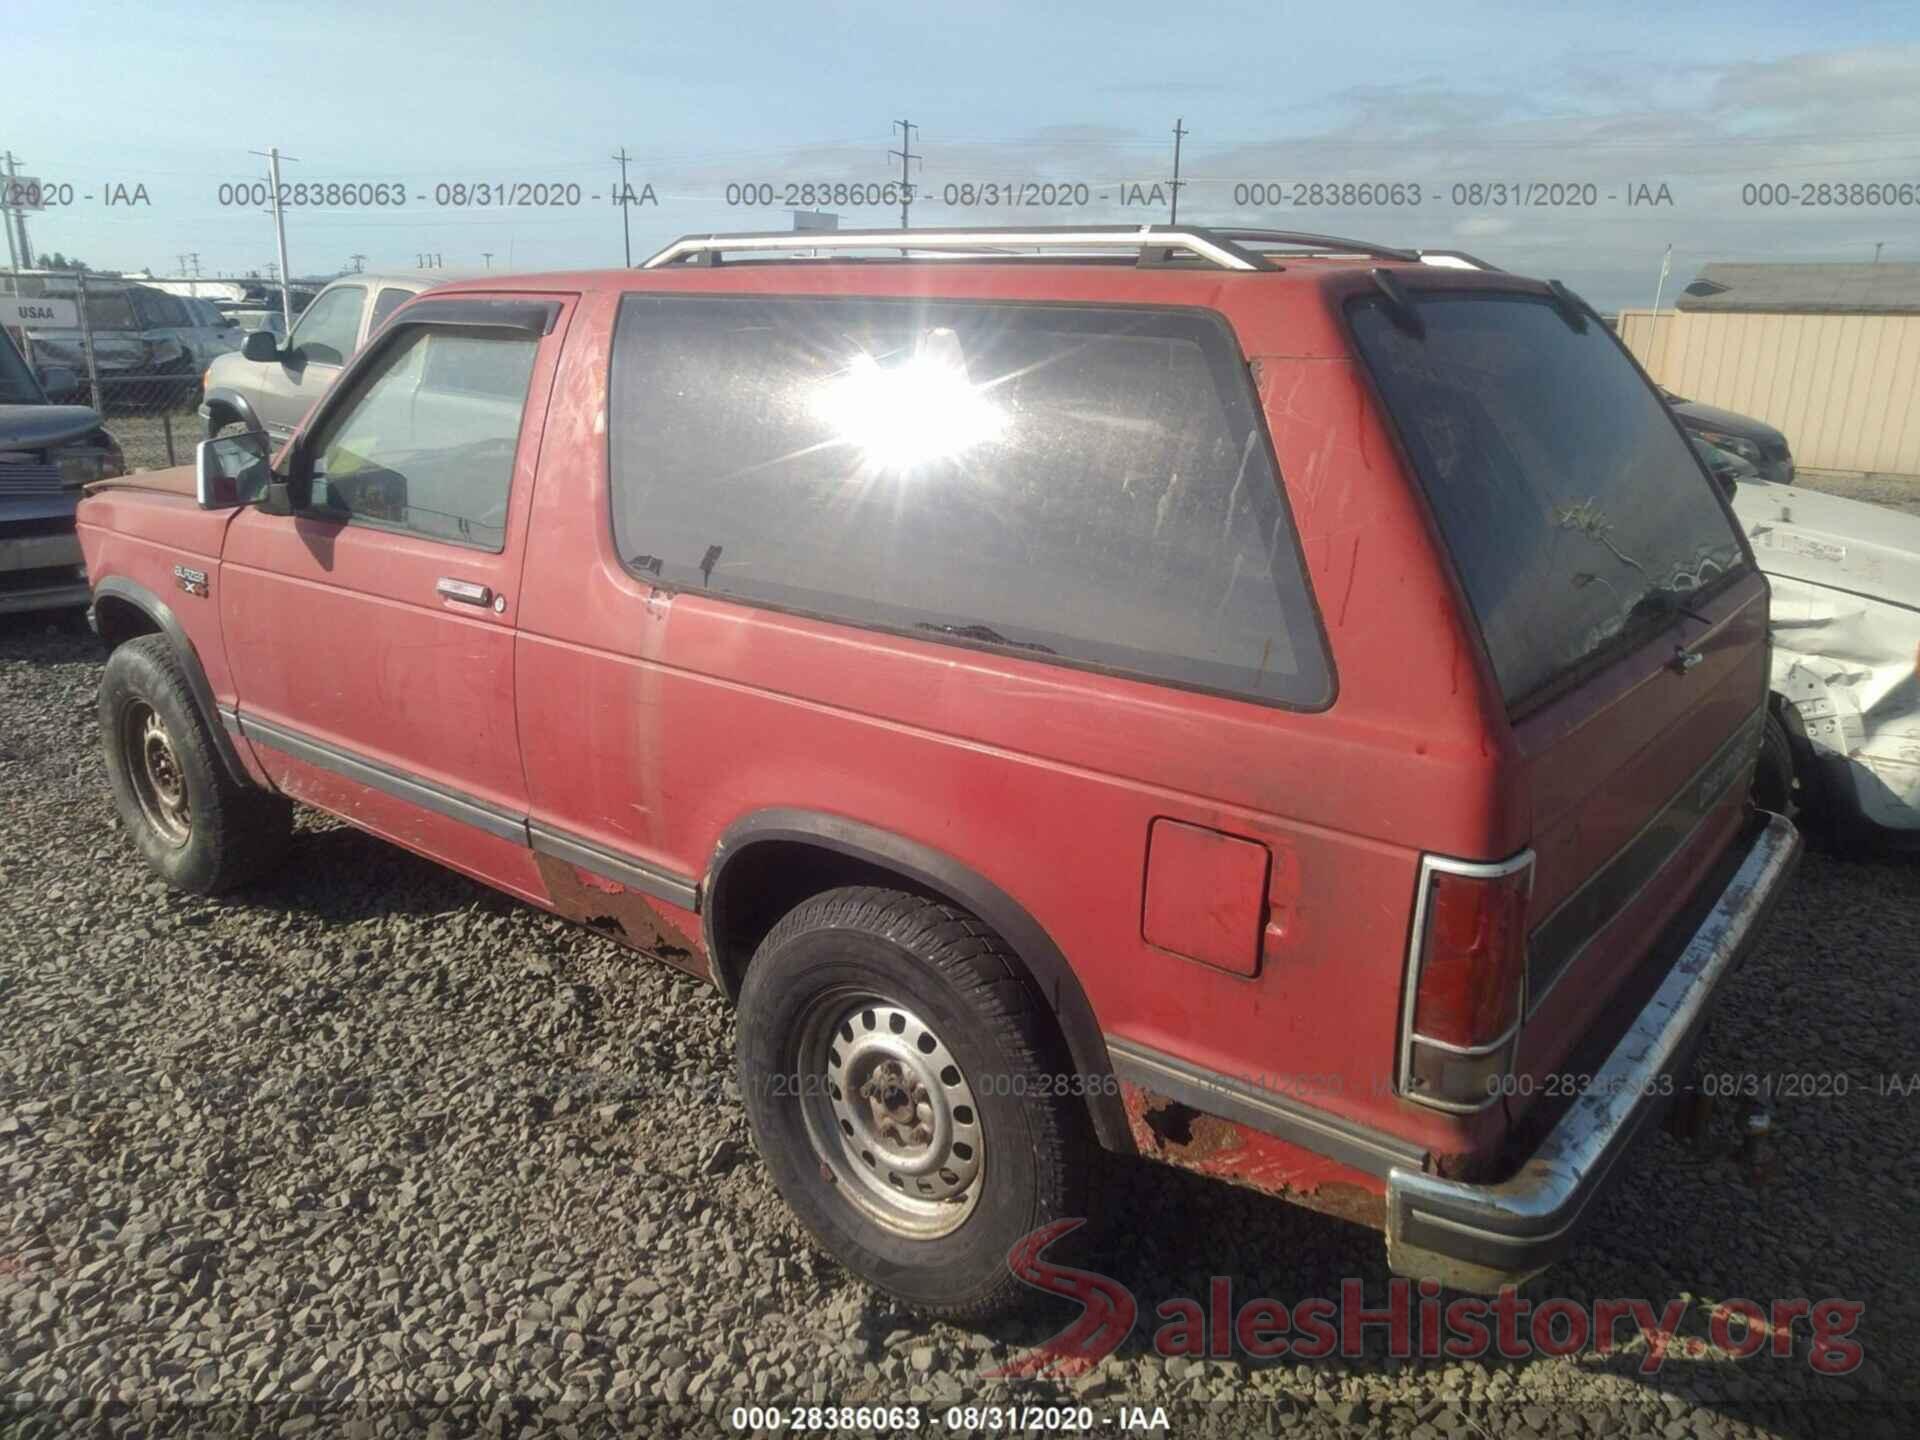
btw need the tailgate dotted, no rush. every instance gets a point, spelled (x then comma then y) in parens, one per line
(1625, 630)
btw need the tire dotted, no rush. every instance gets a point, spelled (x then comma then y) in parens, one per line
(1007, 1144)
(197, 828)
(1774, 785)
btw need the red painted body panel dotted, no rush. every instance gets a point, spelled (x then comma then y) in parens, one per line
(139, 528)
(1206, 896)
(338, 631)
(648, 721)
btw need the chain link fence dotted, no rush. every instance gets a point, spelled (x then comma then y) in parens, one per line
(135, 349)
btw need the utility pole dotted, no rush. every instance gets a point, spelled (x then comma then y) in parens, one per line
(25, 257)
(279, 231)
(359, 262)
(487, 255)
(1653, 321)
(1876, 250)
(626, 227)
(1179, 133)
(907, 157)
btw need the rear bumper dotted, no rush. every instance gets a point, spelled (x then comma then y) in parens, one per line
(1480, 1237)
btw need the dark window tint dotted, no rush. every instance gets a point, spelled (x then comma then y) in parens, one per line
(17, 385)
(388, 302)
(110, 310)
(1575, 512)
(1088, 484)
(155, 309)
(415, 453)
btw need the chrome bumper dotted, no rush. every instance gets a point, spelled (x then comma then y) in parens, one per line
(1480, 1237)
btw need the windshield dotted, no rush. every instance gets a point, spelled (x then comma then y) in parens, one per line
(1569, 499)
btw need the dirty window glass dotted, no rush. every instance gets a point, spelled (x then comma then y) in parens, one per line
(1574, 510)
(415, 453)
(326, 333)
(1087, 484)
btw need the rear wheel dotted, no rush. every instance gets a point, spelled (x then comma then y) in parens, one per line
(901, 1083)
(190, 820)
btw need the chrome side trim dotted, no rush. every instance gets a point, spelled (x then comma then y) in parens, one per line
(1479, 1237)
(634, 874)
(428, 795)
(1212, 1093)
(1430, 865)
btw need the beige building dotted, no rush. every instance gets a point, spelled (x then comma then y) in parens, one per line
(1829, 354)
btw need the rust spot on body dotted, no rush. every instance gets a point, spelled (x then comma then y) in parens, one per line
(625, 915)
(1224, 1149)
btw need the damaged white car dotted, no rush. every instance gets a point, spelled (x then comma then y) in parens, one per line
(1846, 656)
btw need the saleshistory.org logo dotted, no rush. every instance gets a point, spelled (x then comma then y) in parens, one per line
(1414, 1320)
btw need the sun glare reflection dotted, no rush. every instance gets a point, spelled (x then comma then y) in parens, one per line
(907, 415)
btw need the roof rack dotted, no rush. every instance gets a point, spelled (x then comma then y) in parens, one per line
(1154, 244)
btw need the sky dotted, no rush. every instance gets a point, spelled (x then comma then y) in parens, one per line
(1723, 121)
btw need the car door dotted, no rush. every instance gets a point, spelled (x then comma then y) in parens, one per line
(323, 340)
(167, 329)
(370, 632)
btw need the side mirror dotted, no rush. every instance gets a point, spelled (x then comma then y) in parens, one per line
(260, 345)
(232, 470)
(58, 380)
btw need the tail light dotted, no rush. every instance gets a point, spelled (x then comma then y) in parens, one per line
(1466, 980)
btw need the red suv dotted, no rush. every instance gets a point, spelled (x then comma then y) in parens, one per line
(1254, 700)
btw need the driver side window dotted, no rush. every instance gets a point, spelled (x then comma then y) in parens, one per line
(421, 447)
(325, 334)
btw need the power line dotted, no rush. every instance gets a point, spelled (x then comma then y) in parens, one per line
(1179, 133)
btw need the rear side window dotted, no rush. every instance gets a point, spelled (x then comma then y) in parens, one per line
(388, 301)
(1576, 514)
(1084, 484)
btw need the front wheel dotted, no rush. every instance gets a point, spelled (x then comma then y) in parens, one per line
(197, 827)
(902, 1085)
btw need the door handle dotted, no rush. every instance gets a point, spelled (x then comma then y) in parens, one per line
(465, 591)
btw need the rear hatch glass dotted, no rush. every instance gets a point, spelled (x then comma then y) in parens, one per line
(1576, 515)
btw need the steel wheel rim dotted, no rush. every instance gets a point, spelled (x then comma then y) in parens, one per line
(890, 1114)
(159, 782)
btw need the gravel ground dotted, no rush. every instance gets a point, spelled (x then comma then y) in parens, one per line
(1901, 492)
(143, 436)
(373, 1150)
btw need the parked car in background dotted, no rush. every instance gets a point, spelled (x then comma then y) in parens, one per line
(1725, 467)
(148, 346)
(250, 316)
(1846, 657)
(1269, 710)
(274, 381)
(1754, 441)
(47, 452)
